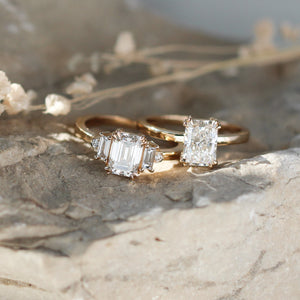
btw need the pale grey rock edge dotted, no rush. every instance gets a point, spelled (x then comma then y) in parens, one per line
(243, 248)
(69, 231)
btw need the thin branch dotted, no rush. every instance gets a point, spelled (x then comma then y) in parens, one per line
(266, 59)
(212, 50)
(270, 58)
(153, 61)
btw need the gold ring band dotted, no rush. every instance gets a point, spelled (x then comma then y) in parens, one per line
(85, 124)
(153, 126)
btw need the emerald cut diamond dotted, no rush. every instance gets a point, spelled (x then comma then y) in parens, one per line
(125, 154)
(200, 142)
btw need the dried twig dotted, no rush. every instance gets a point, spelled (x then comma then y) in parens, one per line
(266, 59)
(211, 50)
(273, 57)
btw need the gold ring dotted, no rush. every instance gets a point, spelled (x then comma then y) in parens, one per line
(200, 137)
(124, 153)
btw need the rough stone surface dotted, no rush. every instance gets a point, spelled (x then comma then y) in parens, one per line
(69, 231)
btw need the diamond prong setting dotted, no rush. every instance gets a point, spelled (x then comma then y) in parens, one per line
(126, 154)
(187, 121)
(200, 142)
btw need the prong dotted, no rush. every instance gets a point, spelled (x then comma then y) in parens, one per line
(215, 163)
(184, 163)
(106, 164)
(145, 142)
(187, 120)
(214, 120)
(132, 176)
(117, 134)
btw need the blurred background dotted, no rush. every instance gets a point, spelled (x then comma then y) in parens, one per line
(232, 19)
(46, 44)
(38, 38)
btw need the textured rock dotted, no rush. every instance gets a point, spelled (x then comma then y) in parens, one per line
(245, 248)
(69, 231)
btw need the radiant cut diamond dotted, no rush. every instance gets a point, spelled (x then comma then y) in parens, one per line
(126, 153)
(200, 142)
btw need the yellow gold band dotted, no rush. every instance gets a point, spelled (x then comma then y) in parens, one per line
(85, 124)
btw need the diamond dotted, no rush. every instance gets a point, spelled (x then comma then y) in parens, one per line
(151, 155)
(101, 145)
(200, 142)
(158, 156)
(125, 154)
(95, 144)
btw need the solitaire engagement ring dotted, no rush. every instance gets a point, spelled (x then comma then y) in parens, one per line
(200, 137)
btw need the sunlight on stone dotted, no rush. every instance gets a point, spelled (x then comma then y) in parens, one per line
(165, 165)
(64, 137)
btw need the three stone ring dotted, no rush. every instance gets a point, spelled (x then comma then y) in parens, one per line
(200, 137)
(124, 153)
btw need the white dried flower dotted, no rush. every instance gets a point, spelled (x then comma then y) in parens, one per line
(82, 85)
(289, 32)
(57, 105)
(16, 100)
(95, 61)
(32, 94)
(264, 32)
(125, 44)
(79, 88)
(75, 61)
(4, 85)
(263, 40)
(88, 78)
